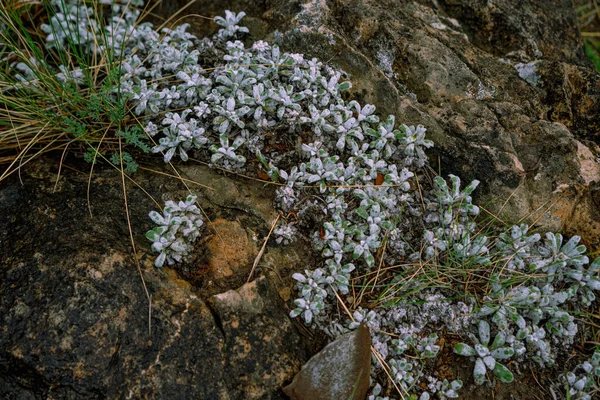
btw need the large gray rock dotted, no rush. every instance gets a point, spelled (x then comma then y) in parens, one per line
(74, 316)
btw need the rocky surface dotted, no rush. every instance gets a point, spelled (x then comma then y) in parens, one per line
(339, 371)
(74, 316)
(257, 330)
(504, 89)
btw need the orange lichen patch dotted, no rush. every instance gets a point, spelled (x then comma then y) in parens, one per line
(249, 293)
(174, 289)
(79, 371)
(230, 250)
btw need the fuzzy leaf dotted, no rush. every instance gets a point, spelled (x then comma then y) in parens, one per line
(299, 277)
(489, 362)
(344, 86)
(362, 212)
(503, 374)
(503, 353)
(593, 284)
(160, 260)
(484, 332)
(479, 371)
(295, 312)
(456, 384)
(464, 349)
(157, 218)
(499, 340)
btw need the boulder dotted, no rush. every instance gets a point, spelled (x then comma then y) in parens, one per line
(80, 318)
(339, 371)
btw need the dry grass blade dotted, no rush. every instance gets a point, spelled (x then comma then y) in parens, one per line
(262, 249)
(135, 257)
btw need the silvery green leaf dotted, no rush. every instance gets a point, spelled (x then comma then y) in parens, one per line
(593, 284)
(456, 384)
(580, 384)
(300, 303)
(358, 251)
(503, 374)
(486, 310)
(503, 353)
(179, 246)
(157, 218)
(479, 371)
(481, 350)
(499, 318)
(386, 225)
(308, 315)
(317, 274)
(369, 259)
(158, 246)
(295, 312)
(306, 290)
(349, 268)
(499, 340)
(594, 266)
(489, 362)
(160, 260)
(344, 86)
(595, 359)
(518, 319)
(484, 332)
(362, 212)
(335, 246)
(299, 277)
(464, 350)
(152, 235)
(361, 194)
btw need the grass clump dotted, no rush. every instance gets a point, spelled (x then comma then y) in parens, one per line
(60, 80)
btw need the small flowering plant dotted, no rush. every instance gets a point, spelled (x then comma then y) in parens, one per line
(177, 230)
(487, 354)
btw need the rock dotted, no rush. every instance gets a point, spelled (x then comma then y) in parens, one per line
(504, 89)
(230, 250)
(340, 371)
(74, 316)
(260, 340)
